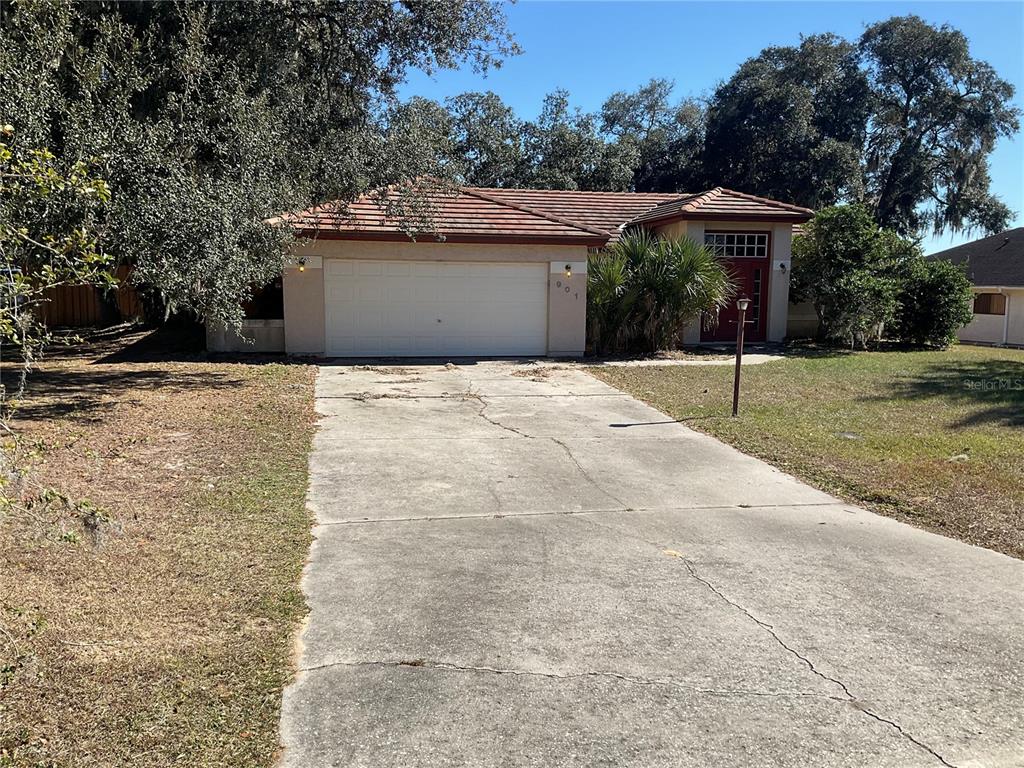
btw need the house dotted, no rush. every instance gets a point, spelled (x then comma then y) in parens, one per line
(503, 271)
(995, 267)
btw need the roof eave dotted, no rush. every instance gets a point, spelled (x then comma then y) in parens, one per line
(431, 237)
(779, 218)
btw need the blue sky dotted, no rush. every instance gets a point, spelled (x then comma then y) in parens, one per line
(595, 48)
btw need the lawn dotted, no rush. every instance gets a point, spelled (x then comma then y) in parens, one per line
(149, 594)
(935, 439)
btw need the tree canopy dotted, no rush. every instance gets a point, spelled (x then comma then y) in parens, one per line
(211, 117)
(902, 121)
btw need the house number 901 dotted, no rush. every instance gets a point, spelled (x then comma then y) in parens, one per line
(568, 288)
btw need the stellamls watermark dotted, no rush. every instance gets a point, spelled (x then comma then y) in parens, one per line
(995, 385)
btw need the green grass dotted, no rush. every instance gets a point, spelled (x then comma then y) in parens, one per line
(934, 438)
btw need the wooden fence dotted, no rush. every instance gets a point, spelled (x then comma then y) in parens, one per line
(83, 306)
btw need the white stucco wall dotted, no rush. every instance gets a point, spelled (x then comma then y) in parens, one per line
(253, 337)
(1015, 317)
(998, 329)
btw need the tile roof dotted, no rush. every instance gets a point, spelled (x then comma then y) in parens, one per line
(456, 215)
(721, 203)
(997, 260)
(607, 211)
(473, 214)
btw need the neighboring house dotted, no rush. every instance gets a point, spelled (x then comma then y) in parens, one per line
(504, 273)
(995, 267)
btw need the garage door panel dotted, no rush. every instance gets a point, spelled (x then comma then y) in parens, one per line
(435, 308)
(423, 268)
(338, 268)
(369, 268)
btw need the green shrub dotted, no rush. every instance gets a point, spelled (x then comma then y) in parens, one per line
(934, 302)
(843, 264)
(644, 289)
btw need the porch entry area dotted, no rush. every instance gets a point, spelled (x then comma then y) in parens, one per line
(748, 255)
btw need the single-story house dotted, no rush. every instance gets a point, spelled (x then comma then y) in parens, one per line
(995, 267)
(503, 271)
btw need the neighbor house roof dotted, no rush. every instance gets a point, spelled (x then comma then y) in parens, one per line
(996, 260)
(477, 214)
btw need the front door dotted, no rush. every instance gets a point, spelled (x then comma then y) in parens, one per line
(748, 259)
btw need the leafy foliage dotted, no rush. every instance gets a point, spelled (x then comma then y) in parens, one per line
(565, 151)
(48, 238)
(668, 135)
(209, 118)
(936, 115)
(934, 300)
(903, 121)
(212, 117)
(864, 281)
(790, 124)
(488, 139)
(644, 289)
(843, 264)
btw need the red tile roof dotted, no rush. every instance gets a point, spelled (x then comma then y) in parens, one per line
(460, 214)
(720, 203)
(476, 214)
(607, 211)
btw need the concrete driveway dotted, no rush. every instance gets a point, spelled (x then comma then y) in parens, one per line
(522, 566)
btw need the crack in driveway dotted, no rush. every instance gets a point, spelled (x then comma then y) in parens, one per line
(568, 451)
(611, 675)
(846, 696)
(846, 699)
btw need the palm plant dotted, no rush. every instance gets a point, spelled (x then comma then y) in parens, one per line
(644, 289)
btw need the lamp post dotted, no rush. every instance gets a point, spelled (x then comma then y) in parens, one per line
(742, 305)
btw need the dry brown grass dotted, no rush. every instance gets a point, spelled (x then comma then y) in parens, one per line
(148, 620)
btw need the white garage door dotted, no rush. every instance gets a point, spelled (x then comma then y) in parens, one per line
(434, 308)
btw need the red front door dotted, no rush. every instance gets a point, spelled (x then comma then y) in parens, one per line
(751, 278)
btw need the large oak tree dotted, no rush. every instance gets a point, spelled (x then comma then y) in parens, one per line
(904, 121)
(211, 117)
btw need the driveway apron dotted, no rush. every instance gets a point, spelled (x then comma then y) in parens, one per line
(518, 565)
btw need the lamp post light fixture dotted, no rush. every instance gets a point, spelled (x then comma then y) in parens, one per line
(742, 305)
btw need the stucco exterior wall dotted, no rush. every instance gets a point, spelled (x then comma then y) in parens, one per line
(408, 251)
(567, 309)
(254, 336)
(985, 329)
(304, 307)
(1015, 317)
(304, 291)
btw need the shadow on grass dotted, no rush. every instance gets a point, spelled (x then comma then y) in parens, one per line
(85, 394)
(813, 351)
(993, 388)
(175, 342)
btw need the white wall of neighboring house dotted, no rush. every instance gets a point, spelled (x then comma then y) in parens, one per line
(1007, 328)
